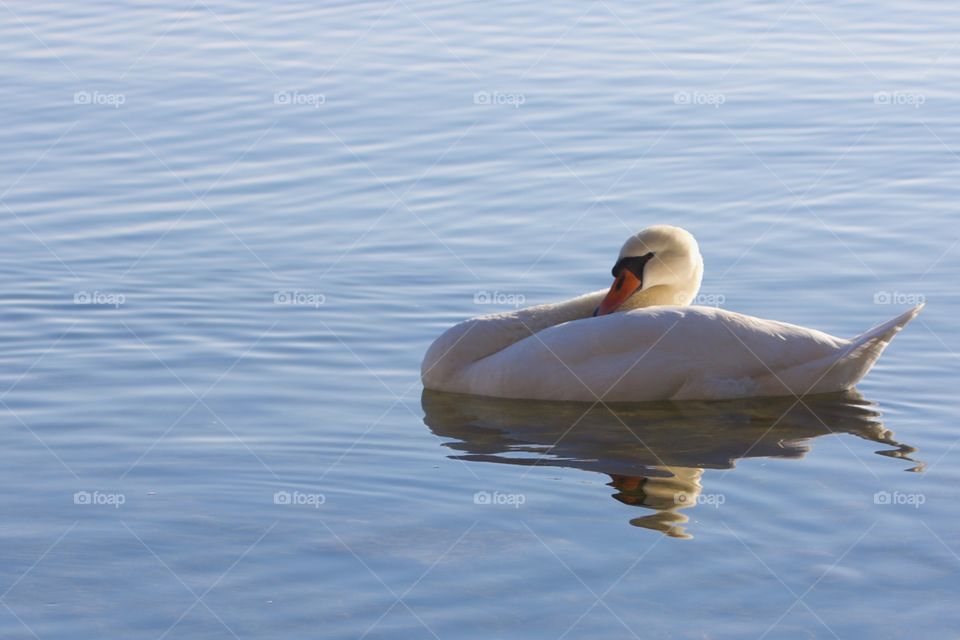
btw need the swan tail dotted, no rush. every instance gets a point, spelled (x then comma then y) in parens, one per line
(862, 352)
(883, 333)
(847, 366)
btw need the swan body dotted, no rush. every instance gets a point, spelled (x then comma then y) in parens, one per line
(640, 341)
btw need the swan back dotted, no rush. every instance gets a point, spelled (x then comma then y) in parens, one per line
(672, 352)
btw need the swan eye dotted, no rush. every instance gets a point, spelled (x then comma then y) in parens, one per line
(633, 264)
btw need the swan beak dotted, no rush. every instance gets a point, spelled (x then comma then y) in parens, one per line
(623, 287)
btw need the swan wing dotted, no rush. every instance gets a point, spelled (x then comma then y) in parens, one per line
(676, 353)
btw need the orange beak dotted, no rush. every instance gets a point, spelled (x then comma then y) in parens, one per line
(623, 287)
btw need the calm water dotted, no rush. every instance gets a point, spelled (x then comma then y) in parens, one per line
(231, 231)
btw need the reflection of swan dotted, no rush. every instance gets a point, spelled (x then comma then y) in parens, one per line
(654, 453)
(655, 348)
(666, 496)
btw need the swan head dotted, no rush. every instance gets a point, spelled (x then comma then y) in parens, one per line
(659, 265)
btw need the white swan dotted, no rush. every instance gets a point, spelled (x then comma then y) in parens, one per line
(641, 342)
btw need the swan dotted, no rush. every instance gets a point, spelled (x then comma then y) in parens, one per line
(642, 341)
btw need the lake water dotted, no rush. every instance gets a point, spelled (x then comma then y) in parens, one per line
(232, 230)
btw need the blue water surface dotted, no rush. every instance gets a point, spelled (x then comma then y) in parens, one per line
(232, 229)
